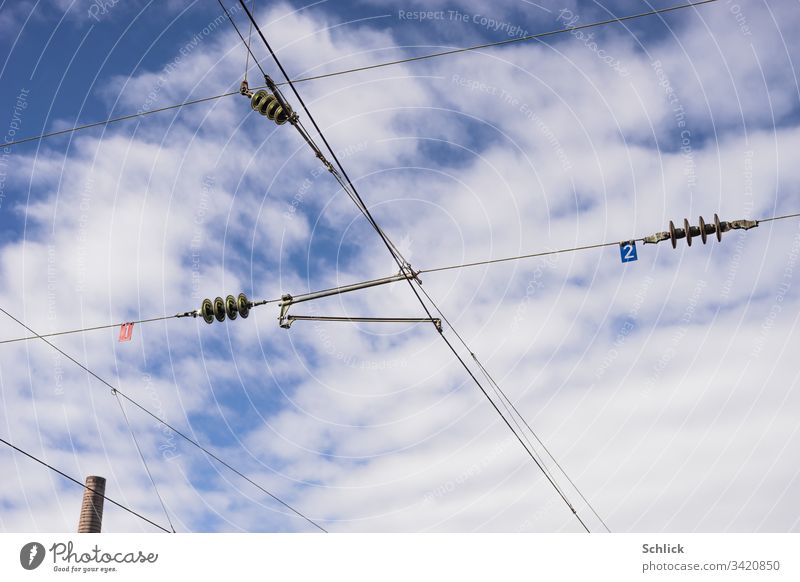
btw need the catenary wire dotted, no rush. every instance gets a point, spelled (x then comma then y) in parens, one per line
(249, 39)
(519, 257)
(403, 264)
(538, 440)
(503, 42)
(504, 398)
(531, 452)
(169, 426)
(343, 179)
(117, 119)
(52, 468)
(780, 217)
(369, 67)
(420, 272)
(245, 43)
(85, 329)
(144, 461)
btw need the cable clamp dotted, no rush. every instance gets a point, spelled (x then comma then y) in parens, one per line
(409, 273)
(285, 320)
(244, 89)
(656, 238)
(743, 224)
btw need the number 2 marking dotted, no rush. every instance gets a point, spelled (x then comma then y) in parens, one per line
(627, 252)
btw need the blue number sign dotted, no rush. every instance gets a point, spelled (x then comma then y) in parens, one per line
(627, 251)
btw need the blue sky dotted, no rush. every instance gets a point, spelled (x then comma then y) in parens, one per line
(664, 387)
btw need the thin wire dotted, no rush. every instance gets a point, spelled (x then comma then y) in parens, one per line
(41, 462)
(503, 42)
(85, 329)
(359, 201)
(367, 67)
(346, 183)
(531, 453)
(535, 436)
(402, 264)
(236, 28)
(516, 258)
(568, 250)
(165, 423)
(144, 461)
(116, 119)
(249, 39)
(779, 217)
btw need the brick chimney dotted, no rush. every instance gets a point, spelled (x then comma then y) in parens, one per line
(91, 520)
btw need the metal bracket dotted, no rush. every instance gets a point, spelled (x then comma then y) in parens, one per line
(287, 322)
(288, 300)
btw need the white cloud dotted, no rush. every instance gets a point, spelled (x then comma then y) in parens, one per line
(664, 387)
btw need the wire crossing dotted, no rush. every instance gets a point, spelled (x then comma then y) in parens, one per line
(116, 391)
(342, 288)
(401, 262)
(363, 68)
(83, 486)
(144, 461)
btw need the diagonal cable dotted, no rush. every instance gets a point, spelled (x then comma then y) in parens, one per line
(52, 468)
(403, 265)
(540, 35)
(144, 461)
(169, 426)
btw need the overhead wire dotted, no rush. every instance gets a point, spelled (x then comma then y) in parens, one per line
(362, 205)
(493, 382)
(194, 313)
(530, 451)
(785, 216)
(503, 397)
(404, 264)
(185, 437)
(249, 39)
(86, 329)
(519, 257)
(63, 474)
(117, 119)
(302, 295)
(503, 42)
(244, 42)
(144, 461)
(369, 67)
(343, 179)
